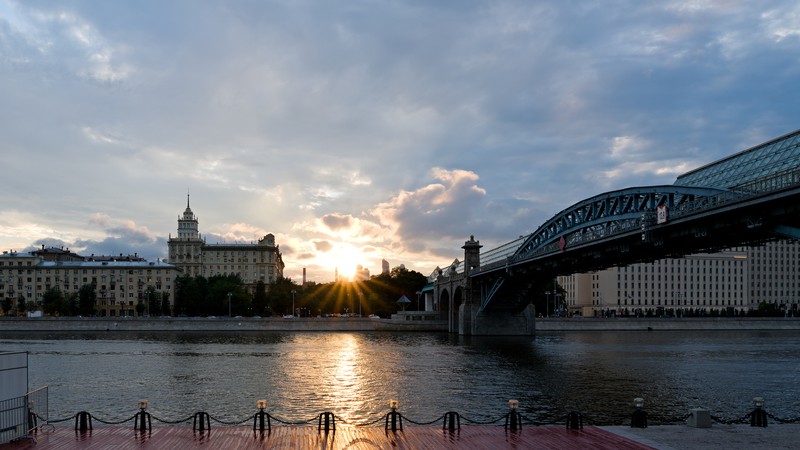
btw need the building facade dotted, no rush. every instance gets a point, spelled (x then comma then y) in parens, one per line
(728, 282)
(254, 262)
(119, 285)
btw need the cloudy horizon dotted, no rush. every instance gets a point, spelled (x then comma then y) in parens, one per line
(372, 129)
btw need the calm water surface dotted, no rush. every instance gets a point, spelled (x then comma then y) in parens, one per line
(356, 374)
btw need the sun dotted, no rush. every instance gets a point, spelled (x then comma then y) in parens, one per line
(345, 257)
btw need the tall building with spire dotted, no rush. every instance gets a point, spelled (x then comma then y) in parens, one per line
(253, 262)
(186, 249)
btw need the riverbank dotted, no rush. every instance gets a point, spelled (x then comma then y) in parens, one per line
(246, 324)
(201, 324)
(668, 324)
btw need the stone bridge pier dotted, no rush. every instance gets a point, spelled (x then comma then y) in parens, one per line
(459, 298)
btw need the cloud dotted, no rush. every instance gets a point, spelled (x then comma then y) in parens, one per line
(321, 124)
(442, 209)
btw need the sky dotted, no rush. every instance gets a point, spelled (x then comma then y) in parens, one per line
(366, 130)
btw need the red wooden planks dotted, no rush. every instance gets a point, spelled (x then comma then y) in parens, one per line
(345, 437)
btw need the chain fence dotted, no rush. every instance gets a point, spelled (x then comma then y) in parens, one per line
(534, 421)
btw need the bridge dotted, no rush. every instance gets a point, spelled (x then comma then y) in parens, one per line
(747, 198)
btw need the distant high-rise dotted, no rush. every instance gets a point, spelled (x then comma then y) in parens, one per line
(361, 273)
(384, 266)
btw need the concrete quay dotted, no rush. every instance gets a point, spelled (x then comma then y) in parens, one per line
(220, 324)
(246, 324)
(668, 324)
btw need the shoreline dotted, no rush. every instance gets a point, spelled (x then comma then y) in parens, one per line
(221, 324)
(224, 324)
(668, 324)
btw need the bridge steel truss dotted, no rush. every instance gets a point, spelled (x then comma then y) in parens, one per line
(616, 220)
(618, 211)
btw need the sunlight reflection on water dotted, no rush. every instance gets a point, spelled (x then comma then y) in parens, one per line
(355, 374)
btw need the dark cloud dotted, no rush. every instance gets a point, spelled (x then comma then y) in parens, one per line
(323, 246)
(337, 221)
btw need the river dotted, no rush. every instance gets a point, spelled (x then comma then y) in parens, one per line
(301, 374)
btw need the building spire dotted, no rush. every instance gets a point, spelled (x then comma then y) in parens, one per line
(187, 198)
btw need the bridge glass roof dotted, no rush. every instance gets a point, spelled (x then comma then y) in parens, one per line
(502, 252)
(737, 171)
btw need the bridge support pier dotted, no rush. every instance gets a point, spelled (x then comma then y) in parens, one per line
(495, 323)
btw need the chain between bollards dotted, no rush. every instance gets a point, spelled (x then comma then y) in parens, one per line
(451, 420)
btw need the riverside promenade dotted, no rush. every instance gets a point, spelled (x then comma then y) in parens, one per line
(665, 437)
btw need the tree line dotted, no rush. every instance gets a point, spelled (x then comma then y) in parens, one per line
(200, 296)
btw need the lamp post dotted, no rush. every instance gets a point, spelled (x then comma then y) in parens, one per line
(229, 303)
(557, 304)
(148, 301)
(547, 302)
(418, 293)
(293, 292)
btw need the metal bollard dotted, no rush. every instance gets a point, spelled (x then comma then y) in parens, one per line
(141, 421)
(513, 421)
(201, 422)
(396, 419)
(758, 418)
(85, 420)
(639, 417)
(452, 421)
(574, 421)
(259, 418)
(513, 418)
(330, 422)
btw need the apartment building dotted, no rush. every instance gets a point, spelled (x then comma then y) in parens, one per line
(253, 262)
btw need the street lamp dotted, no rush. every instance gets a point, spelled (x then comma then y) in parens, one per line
(547, 302)
(293, 292)
(148, 301)
(557, 304)
(229, 304)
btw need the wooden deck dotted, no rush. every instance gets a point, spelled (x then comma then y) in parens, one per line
(345, 437)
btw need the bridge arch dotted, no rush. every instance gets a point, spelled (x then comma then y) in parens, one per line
(458, 299)
(618, 211)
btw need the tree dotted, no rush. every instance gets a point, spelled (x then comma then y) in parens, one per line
(165, 310)
(21, 304)
(8, 303)
(260, 299)
(52, 301)
(153, 301)
(87, 299)
(191, 295)
(140, 308)
(279, 297)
